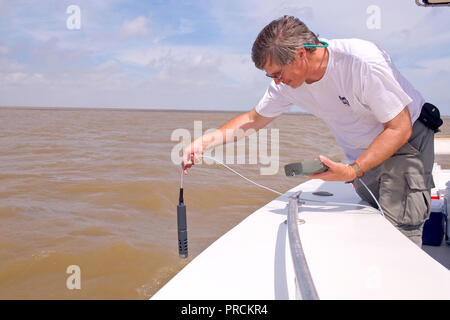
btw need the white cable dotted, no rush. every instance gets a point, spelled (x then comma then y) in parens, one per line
(257, 184)
(379, 207)
(279, 193)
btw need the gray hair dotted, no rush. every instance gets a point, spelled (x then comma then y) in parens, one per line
(279, 40)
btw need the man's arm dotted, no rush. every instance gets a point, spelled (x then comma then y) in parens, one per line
(226, 133)
(395, 134)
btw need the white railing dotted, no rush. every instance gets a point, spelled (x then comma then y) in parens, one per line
(305, 289)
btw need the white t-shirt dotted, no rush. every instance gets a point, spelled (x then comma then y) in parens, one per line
(361, 90)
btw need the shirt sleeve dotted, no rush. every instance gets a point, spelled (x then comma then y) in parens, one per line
(273, 103)
(381, 91)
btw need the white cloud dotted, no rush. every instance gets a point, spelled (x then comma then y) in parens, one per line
(184, 64)
(7, 66)
(432, 78)
(135, 27)
(21, 78)
(4, 51)
(437, 65)
(110, 65)
(186, 26)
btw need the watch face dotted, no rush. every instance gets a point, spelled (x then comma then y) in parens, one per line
(357, 169)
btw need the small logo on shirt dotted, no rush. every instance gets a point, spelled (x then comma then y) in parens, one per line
(344, 101)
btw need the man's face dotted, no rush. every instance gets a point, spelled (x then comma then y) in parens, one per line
(292, 74)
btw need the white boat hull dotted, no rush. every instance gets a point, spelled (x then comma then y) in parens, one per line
(352, 253)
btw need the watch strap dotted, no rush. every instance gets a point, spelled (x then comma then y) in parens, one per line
(355, 165)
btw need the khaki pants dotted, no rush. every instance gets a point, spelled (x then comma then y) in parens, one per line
(402, 184)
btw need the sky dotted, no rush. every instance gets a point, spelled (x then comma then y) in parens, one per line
(193, 54)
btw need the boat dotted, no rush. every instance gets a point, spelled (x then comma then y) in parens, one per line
(348, 251)
(296, 247)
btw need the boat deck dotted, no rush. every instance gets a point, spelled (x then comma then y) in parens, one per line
(352, 253)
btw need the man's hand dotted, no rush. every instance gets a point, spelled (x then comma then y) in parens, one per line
(193, 153)
(336, 171)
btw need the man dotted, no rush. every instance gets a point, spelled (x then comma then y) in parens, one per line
(370, 108)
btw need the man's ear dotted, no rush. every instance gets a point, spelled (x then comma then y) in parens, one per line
(300, 52)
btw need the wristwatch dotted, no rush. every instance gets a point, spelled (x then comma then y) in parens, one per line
(357, 168)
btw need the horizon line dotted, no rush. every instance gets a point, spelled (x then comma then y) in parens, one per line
(135, 109)
(299, 112)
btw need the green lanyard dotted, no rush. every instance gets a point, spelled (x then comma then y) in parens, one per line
(325, 44)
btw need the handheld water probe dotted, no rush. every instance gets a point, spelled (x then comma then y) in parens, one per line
(182, 224)
(306, 167)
